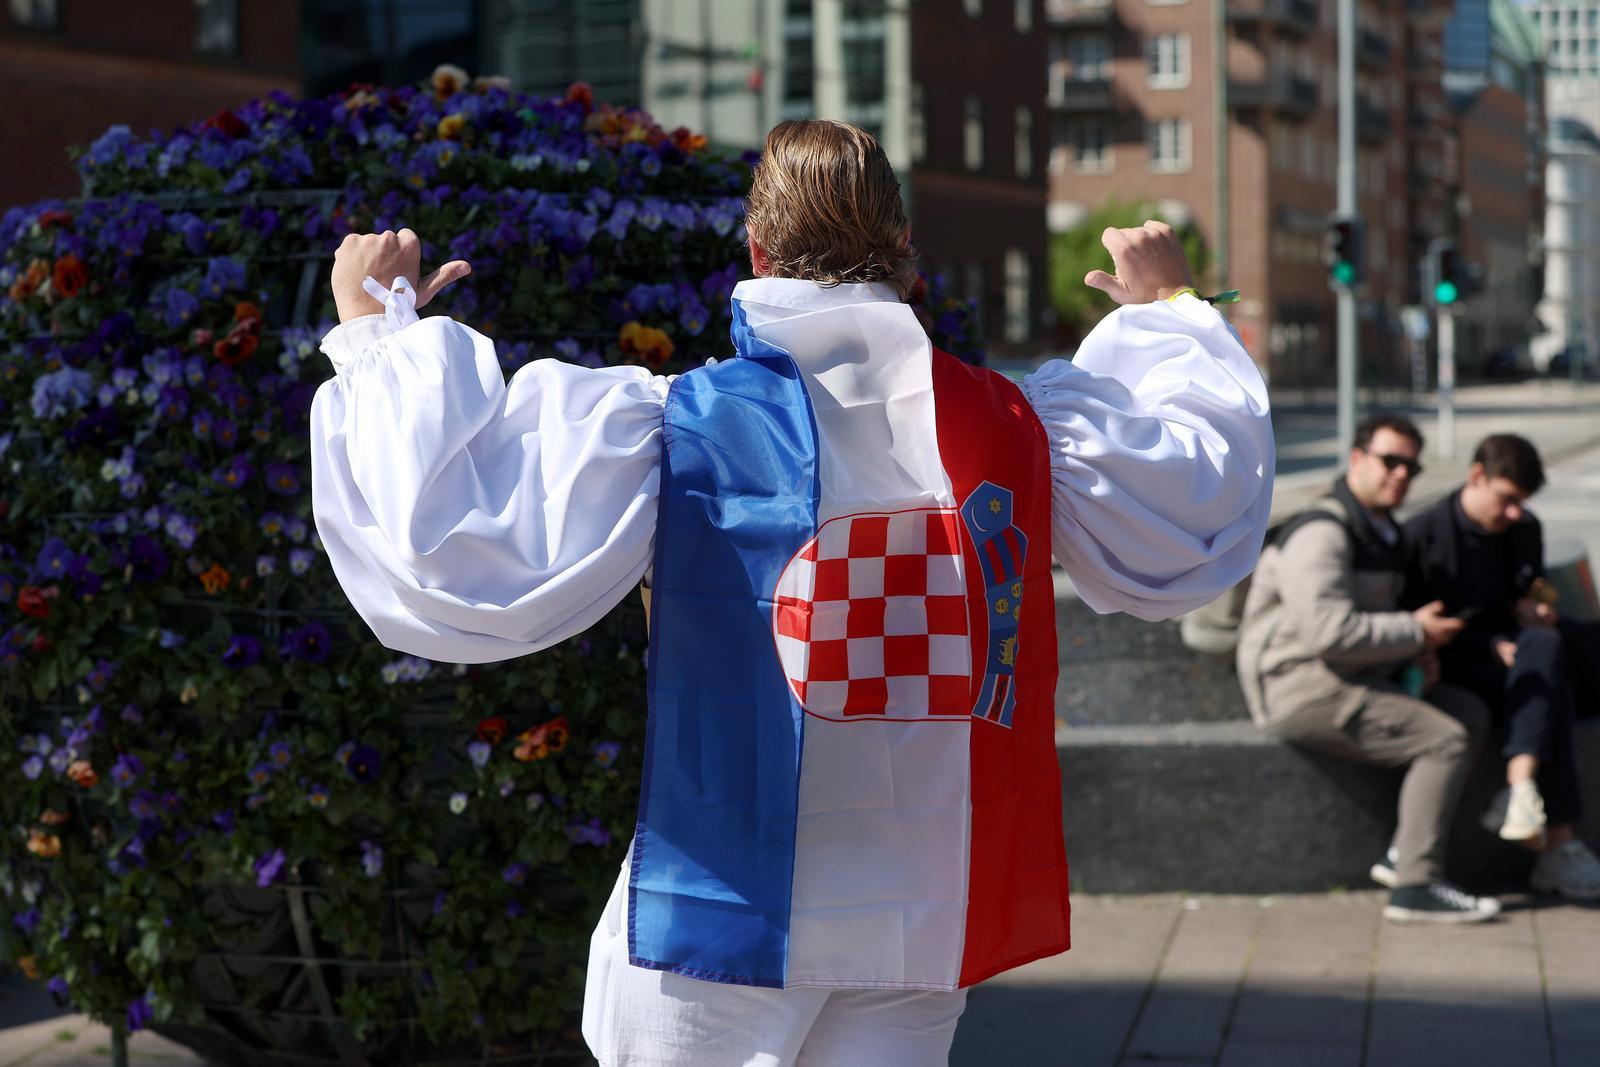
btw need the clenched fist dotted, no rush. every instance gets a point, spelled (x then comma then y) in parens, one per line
(384, 257)
(1149, 261)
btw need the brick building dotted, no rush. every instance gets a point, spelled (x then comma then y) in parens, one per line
(1142, 110)
(1495, 81)
(978, 180)
(953, 89)
(71, 68)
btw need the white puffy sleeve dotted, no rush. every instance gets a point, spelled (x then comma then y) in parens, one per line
(1161, 459)
(469, 519)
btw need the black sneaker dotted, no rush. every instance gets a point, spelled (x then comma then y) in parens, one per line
(1382, 872)
(1438, 902)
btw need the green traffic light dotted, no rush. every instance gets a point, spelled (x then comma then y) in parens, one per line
(1445, 293)
(1344, 272)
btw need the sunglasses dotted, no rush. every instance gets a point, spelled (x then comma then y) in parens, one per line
(1391, 462)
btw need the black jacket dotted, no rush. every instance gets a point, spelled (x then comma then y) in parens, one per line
(1433, 539)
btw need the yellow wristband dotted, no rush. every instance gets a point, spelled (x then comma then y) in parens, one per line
(1191, 290)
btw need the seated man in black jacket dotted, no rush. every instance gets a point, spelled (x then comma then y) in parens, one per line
(1482, 552)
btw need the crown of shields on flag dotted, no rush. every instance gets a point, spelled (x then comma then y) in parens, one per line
(877, 617)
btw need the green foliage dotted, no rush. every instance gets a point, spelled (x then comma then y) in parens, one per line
(212, 767)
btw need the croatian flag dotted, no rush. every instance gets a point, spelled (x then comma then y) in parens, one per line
(851, 773)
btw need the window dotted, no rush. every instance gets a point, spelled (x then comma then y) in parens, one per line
(1167, 59)
(33, 14)
(1024, 16)
(217, 27)
(972, 134)
(919, 122)
(1169, 145)
(1017, 281)
(1024, 145)
(1090, 57)
(1089, 153)
(1059, 70)
(973, 286)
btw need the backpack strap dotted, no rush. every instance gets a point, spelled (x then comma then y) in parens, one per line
(1327, 509)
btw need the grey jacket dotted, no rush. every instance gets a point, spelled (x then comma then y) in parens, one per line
(1321, 620)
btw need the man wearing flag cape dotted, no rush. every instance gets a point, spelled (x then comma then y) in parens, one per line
(851, 806)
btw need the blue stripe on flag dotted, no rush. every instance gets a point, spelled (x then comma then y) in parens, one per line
(713, 861)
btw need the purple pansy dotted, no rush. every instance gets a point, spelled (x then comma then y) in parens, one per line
(126, 770)
(363, 763)
(140, 1014)
(311, 643)
(268, 866)
(281, 479)
(242, 651)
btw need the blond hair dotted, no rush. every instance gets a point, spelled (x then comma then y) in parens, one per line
(825, 206)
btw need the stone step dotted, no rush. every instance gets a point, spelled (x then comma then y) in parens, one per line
(1217, 807)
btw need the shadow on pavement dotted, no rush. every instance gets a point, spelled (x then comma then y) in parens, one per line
(23, 1002)
(1439, 1021)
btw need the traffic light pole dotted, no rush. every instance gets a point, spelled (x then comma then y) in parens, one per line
(1447, 383)
(1347, 208)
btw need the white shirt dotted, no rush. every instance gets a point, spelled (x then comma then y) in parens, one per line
(471, 519)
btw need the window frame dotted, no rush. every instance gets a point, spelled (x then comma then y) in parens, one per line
(1180, 55)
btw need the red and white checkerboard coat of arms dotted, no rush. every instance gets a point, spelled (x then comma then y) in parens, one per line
(871, 619)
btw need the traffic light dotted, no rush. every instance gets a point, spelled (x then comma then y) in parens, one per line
(1447, 274)
(1344, 250)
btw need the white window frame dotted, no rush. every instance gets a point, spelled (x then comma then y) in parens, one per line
(217, 27)
(34, 14)
(1166, 61)
(1022, 126)
(1176, 133)
(972, 133)
(1058, 73)
(973, 286)
(1019, 313)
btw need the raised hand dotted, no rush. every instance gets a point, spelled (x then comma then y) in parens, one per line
(1150, 264)
(384, 257)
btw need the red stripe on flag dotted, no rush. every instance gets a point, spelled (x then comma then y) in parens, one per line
(1017, 867)
(1014, 547)
(996, 568)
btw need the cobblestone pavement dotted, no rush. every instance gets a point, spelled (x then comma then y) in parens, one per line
(1296, 981)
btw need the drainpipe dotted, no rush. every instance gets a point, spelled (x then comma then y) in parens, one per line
(1219, 45)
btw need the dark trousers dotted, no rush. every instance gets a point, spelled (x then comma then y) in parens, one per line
(1533, 703)
(1580, 642)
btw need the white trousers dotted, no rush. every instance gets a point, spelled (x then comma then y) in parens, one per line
(633, 1016)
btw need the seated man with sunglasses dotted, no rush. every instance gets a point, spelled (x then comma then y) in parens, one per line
(1482, 552)
(1325, 654)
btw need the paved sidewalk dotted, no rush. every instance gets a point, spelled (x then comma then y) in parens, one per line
(75, 1041)
(1297, 981)
(1559, 417)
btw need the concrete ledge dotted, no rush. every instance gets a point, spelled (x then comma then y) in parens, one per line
(1116, 669)
(1218, 807)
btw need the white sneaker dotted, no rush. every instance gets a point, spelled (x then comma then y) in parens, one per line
(1382, 871)
(1516, 813)
(1571, 870)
